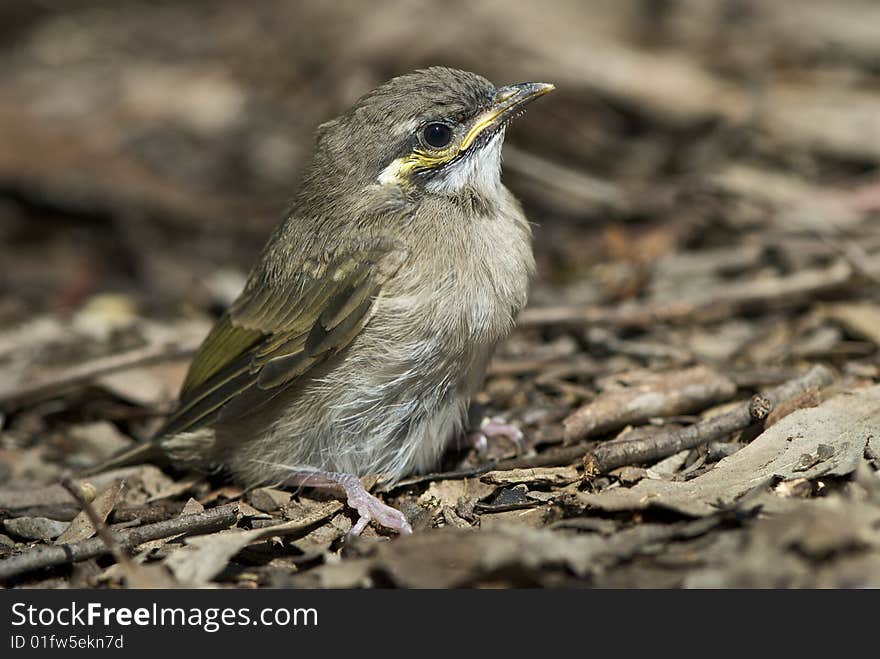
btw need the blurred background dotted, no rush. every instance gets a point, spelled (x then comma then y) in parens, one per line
(148, 148)
(705, 188)
(705, 176)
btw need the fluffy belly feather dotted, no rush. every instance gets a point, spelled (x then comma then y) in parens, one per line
(393, 414)
(395, 398)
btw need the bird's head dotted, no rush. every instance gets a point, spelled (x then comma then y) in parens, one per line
(433, 131)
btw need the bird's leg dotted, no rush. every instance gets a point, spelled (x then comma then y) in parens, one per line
(368, 506)
(494, 428)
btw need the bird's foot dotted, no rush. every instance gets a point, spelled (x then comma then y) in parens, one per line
(369, 507)
(494, 428)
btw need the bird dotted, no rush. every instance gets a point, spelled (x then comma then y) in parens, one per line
(367, 323)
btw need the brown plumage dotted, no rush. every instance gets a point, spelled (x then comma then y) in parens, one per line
(367, 323)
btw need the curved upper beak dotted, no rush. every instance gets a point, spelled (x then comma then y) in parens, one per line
(507, 102)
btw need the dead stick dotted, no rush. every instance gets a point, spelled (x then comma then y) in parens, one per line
(100, 527)
(62, 380)
(662, 444)
(208, 521)
(778, 293)
(658, 395)
(458, 474)
(557, 456)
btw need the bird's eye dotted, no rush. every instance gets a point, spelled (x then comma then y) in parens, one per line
(437, 135)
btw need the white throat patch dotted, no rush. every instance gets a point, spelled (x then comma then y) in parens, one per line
(481, 170)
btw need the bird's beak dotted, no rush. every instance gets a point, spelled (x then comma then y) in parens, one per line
(507, 102)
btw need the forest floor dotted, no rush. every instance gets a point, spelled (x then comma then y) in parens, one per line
(697, 374)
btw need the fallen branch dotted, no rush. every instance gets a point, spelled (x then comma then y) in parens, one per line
(208, 521)
(557, 456)
(98, 523)
(802, 287)
(654, 395)
(661, 444)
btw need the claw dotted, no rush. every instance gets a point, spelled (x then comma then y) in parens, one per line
(369, 508)
(493, 428)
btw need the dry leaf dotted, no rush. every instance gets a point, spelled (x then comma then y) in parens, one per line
(205, 556)
(81, 527)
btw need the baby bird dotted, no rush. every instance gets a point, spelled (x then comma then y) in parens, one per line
(368, 321)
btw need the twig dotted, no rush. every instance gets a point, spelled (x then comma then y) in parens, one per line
(558, 456)
(62, 380)
(656, 446)
(737, 298)
(208, 521)
(439, 476)
(810, 398)
(100, 527)
(654, 395)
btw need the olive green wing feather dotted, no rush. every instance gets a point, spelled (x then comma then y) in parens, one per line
(278, 330)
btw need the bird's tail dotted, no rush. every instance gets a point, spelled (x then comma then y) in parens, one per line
(141, 453)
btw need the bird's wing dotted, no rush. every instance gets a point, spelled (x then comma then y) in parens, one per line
(275, 333)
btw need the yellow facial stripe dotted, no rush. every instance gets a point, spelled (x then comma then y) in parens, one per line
(399, 170)
(483, 122)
